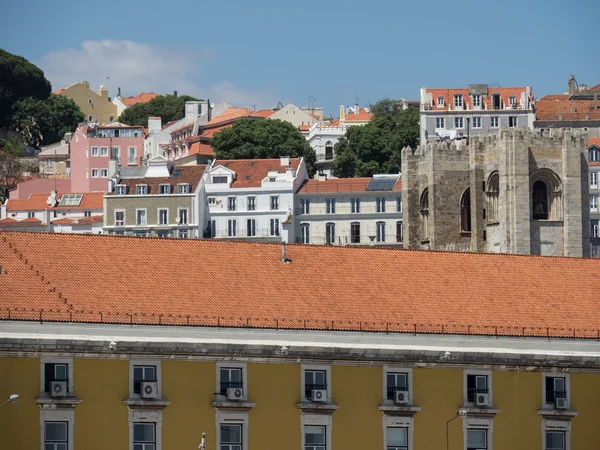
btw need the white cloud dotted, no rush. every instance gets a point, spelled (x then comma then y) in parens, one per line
(137, 67)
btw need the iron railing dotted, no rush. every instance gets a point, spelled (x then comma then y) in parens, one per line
(137, 385)
(313, 387)
(391, 391)
(230, 385)
(472, 392)
(552, 395)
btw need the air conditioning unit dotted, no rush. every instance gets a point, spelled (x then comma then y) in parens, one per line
(561, 403)
(482, 399)
(319, 395)
(401, 397)
(58, 389)
(234, 394)
(149, 389)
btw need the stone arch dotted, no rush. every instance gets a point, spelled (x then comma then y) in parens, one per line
(492, 192)
(545, 189)
(424, 209)
(465, 211)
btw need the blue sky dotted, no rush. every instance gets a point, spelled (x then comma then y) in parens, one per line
(263, 51)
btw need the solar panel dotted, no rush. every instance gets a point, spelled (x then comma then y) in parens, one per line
(176, 173)
(71, 199)
(381, 184)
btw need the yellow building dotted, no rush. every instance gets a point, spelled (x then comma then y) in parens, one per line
(145, 344)
(96, 107)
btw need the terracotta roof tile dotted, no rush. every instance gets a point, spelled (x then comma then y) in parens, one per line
(38, 202)
(304, 127)
(341, 185)
(230, 113)
(264, 113)
(189, 174)
(550, 106)
(201, 148)
(29, 222)
(78, 221)
(360, 117)
(251, 172)
(594, 141)
(250, 286)
(448, 95)
(140, 98)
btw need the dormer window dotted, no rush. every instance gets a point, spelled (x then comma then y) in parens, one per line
(477, 100)
(164, 188)
(121, 189)
(141, 189)
(183, 188)
(458, 100)
(219, 179)
(512, 101)
(440, 101)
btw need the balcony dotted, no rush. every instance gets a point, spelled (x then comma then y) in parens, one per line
(325, 158)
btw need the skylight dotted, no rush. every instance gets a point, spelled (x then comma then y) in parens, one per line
(71, 199)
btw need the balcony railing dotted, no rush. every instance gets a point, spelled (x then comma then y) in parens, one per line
(552, 395)
(319, 210)
(137, 385)
(313, 387)
(243, 233)
(472, 392)
(325, 158)
(391, 391)
(230, 385)
(350, 240)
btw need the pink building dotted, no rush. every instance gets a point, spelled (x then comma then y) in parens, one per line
(40, 186)
(92, 147)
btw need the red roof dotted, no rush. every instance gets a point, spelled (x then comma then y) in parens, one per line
(200, 148)
(29, 222)
(38, 202)
(188, 175)
(448, 95)
(140, 98)
(550, 106)
(315, 186)
(264, 113)
(251, 172)
(594, 141)
(106, 279)
(78, 221)
(360, 117)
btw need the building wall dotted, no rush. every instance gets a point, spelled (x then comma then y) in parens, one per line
(100, 109)
(294, 115)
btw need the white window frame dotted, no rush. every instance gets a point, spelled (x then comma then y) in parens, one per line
(398, 422)
(121, 189)
(441, 101)
(380, 204)
(512, 101)
(307, 419)
(305, 206)
(232, 228)
(409, 377)
(144, 362)
(255, 222)
(515, 120)
(183, 188)
(103, 151)
(487, 373)
(440, 121)
(330, 204)
(103, 173)
(233, 365)
(124, 217)
(479, 423)
(158, 215)
(223, 417)
(594, 203)
(305, 235)
(594, 229)
(57, 415)
(557, 425)
(145, 214)
(594, 180)
(162, 187)
(187, 216)
(462, 123)
(274, 199)
(212, 200)
(355, 205)
(495, 119)
(251, 200)
(232, 203)
(95, 173)
(380, 228)
(399, 203)
(564, 375)
(145, 186)
(476, 99)
(274, 230)
(131, 161)
(304, 368)
(52, 360)
(146, 416)
(478, 124)
(459, 100)
(96, 152)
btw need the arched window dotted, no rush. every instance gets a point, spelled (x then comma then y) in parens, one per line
(492, 192)
(539, 200)
(465, 211)
(424, 208)
(328, 150)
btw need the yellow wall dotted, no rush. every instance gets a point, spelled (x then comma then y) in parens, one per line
(20, 376)
(102, 109)
(585, 398)
(357, 390)
(101, 419)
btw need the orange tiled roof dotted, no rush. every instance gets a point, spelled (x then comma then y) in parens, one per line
(304, 127)
(448, 95)
(201, 148)
(29, 222)
(594, 141)
(78, 221)
(105, 278)
(189, 174)
(230, 113)
(550, 106)
(264, 113)
(38, 202)
(140, 98)
(360, 117)
(251, 172)
(315, 186)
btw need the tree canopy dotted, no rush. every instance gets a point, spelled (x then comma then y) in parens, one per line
(376, 147)
(167, 107)
(256, 139)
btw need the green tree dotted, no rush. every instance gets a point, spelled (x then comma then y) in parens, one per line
(256, 139)
(19, 79)
(377, 146)
(168, 107)
(11, 168)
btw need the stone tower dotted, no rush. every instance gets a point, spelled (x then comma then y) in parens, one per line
(515, 191)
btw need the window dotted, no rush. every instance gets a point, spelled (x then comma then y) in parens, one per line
(380, 204)
(232, 228)
(143, 233)
(555, 387)
(141, 189)
(230, 377)
(314, 380)
(141, 374)
(458, 122)
(476, 439)
(330, 205)
(94, 151)
(103, 151)
(251, 203)
(219, 179)
(89, 101)
(121, 189)
(87, 214)
(458, 100)
(555, 440)
(183, 188)
(114, 152)
(211, 228)
(465, 211)
(314, 437)
(328, 150)
(31, 215)
(477, 100)
(103, 173)
(512, 101)
(399, 204)
(330, 233)
(594, 155)
(55, 372)
(396, 438)
(163, 216)
(355, 233)
(274, 202)
(111, 119)
(274, 227)
(140, 217)
(305, 233)
(440, 122)
(182, 214)
(513, 121)
(494, 122)
(355, 205)
(540, 201)
(131, 159)
(594, 180)
(164, 188)
(399, 232)
(440, 101)
(251, 227)
(594, 228)
(182, 234)
(476, 122)
(212, 200)
(231, 437)
(90, 119)
(144, 436)
(424, 210)
(119, 218)
(56, 436)
(231, 203)
(476, 384)
(95, 173)
(380, 228)
(395, 382)
(304, 206)
(492, 192)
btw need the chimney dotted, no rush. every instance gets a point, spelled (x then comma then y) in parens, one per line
(342, 113)
(175, 94)
(119, 92)
(103, 92)
(68, 136)
(285, 160)
(571, 85)
(595, 101)
(154, 125)
(322, 176)
(356, 108)
(209, 110)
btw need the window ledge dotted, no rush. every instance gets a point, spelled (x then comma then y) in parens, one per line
(488, 411)
(313, 407)
(465, 233)
(241, 405)
(47, 402)
(399, 410)
(552, 413)
(141, 403)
